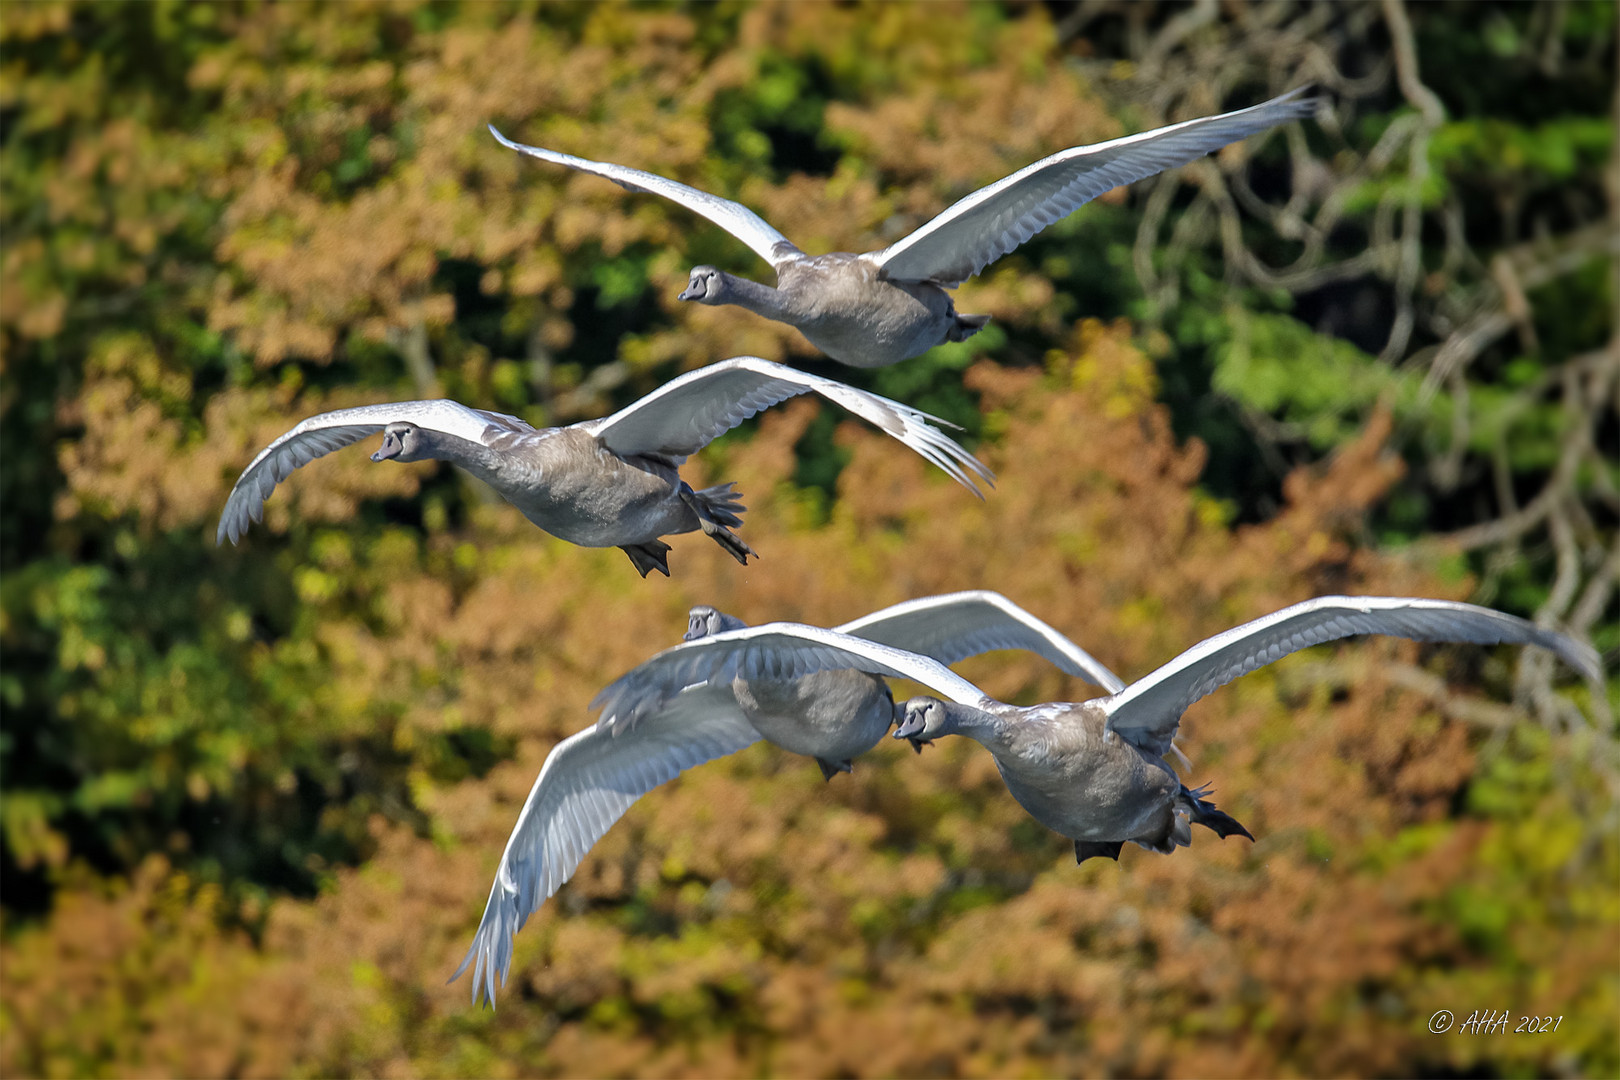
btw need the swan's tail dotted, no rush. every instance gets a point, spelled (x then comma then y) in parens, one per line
(717, 505)
(965, 326)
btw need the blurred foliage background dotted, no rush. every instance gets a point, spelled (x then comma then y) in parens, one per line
(252, 798)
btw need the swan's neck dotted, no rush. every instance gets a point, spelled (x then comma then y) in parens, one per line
(475, 457)
(978, 725)
(760, 299)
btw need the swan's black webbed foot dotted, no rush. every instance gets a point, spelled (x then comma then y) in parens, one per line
(1097, 849)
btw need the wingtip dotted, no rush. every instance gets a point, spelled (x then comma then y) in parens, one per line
(972, 484)
(483, 981)
(1298, 104)
(1578, 654)
(1589, 663)
(465, 960)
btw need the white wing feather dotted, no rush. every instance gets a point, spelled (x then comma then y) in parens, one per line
(735, 218)
(686, 414)
(777, 651)
(587, 783)
(979, 229)
(955, 626)
(320, 435)
(1148, 711)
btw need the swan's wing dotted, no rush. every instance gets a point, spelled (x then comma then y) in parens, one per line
(778, 651)
(587, 783)
(979, 229)
(1147, 712)
(320, 435)
(686, 414)
(735, 218)
(958, 625)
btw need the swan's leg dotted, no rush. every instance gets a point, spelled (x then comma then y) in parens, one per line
(716, 508)
(1204, 813)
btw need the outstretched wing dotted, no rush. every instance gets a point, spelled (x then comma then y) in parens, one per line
(1147, 712)
(979, 229)
(686, 414)
(587, 783)
(320, 435)
(735, 218)
(778, 651)
(954, 626)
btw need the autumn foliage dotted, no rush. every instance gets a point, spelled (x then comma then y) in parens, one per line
(254, 796)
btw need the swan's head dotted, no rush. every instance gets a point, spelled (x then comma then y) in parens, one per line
(707, 286)
(922, 719)
(403, 442)
(703, 620)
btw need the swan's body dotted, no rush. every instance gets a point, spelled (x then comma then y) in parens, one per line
(845, 306)
(880, 307)
(1049, 752)
(613, 482)
(1063, 766)
(570, 484)
(1093, 770)
(832, 714)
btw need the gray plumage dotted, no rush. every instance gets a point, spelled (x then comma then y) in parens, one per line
(881, 307)
(612, 482)
(587, 783)
(1093, 770)
(953, 626)
(833, 714)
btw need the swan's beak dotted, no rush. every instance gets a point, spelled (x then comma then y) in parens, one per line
(691, 635)
(691, 292)
(911, 725)
(390, 448)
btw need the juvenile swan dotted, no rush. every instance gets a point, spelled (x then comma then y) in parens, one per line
(612, 482)
(881, 307)
(591, 778)
(1093, 770)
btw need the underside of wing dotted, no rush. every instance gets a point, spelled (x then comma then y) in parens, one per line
(978, 229)
(687, 413)
(955, 626)
(778, 651)
(1148, 711)
(735, 218)
(587, 783)
(322, 434)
